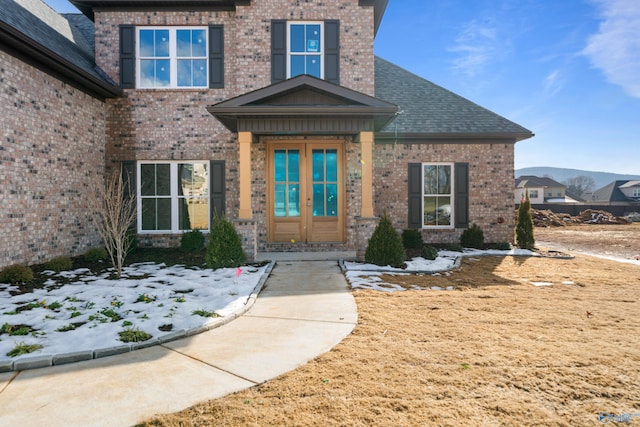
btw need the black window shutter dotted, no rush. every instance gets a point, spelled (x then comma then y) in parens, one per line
(216, 56)
(128, 170)
(461, 196)
(332, 51)
(278, 51)
(217, 187)
(415, 195)
(127, 56)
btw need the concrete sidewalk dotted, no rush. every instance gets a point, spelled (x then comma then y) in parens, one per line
(303, 311)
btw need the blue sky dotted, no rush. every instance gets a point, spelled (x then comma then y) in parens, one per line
(567, 70)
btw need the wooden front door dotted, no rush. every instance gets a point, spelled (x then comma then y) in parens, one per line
(305, 191)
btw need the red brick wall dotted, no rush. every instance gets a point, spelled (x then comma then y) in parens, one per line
(52, 153)
(490, 185)
(174, 124)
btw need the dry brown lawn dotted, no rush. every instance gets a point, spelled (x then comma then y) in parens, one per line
(495, 351)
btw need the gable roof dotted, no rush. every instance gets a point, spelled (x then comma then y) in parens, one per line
(35, 33)
(428, 111)
(303, 96)
(612, 193)
(529, 181)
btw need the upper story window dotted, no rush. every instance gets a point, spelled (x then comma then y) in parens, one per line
(437, 193)
(636, 192)
(533, 194)
(305, 49)
(172, 57)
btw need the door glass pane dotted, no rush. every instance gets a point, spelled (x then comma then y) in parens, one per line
(332, 200)
(280, 200)
(294, 166)
(318, 165)
(332, 165)
(318, 199)
(280, 165)
(294, 200)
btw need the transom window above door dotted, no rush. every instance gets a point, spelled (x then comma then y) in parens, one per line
(305, 49)
(172, 57)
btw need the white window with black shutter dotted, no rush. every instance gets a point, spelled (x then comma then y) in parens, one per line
(172, 57)
(438, 195)
(305, 47)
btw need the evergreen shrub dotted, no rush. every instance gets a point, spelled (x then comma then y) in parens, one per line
(472, 237)
(58, 264)
(192, 241)
(524, 225)
(412, 238)
(385, 246)
(16, 274)
(96, 254)
(225, 246)
(429, 252)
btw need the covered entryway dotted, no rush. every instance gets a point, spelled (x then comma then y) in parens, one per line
(305, 196)
(304, 144)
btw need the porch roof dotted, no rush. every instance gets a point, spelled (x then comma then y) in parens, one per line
(304, 98)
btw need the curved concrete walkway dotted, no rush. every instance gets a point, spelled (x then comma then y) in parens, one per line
(303, 311)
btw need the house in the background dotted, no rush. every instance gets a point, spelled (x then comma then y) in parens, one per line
(618, 193)
(273, 112)
(542, 190)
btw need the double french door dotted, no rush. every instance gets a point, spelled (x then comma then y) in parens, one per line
(305, 192)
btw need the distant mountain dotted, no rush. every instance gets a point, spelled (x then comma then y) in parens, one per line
(561, 174)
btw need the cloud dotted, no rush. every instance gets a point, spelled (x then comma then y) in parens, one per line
(478, 44)
(553, 83)
(615, 48)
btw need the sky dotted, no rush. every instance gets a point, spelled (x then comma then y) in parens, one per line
(567, 70)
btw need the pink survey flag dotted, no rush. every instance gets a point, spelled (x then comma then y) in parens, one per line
(238, 272)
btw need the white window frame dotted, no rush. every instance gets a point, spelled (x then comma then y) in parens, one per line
(173, 167)
(533, 194)
(320, 53)
(173, 57)
(636, 192)
(451, 196)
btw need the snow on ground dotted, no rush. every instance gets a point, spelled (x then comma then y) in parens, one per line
(367, 276)
(89, 313)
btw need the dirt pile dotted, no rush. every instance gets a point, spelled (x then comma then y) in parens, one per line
(546, 218)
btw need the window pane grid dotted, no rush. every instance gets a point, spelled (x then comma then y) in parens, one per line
(305, 49)
(286, 183)
(437, 193)
(173, 197)
(172, 57)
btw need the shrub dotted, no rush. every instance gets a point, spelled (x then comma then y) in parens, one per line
(412, 238)
(192, 241)
(16, 274)
(385, 246)
(134, 335)
(225, 247)
(429, 252)
(61, 263)
(472, 237)
(455, 247)
(524, 225)
(96, 254)
(503, 246)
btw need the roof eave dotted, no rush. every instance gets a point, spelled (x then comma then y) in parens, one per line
(456, 137)
(50, 61)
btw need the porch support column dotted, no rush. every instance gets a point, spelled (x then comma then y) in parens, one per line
(244, 169)
(366, 164)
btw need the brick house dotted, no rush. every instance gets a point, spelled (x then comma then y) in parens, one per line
(274, 112)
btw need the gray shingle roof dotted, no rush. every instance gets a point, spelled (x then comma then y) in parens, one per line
(47, 34)
(536, 181)
(428, 109)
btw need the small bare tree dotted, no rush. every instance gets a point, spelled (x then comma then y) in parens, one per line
(115, 211)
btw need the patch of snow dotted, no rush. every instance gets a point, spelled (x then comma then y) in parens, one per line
(147, 297)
